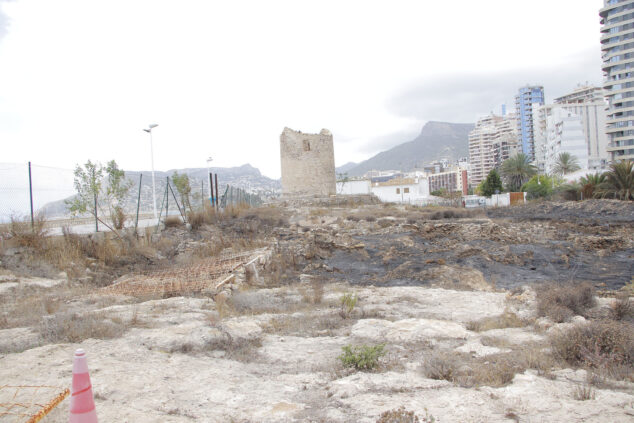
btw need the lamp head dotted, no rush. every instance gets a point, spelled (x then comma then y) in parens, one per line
(153, 125)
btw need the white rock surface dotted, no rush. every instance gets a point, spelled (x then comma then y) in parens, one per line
(408, 330)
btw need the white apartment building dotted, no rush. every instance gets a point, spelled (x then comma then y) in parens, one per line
(493, 140)
(455, 180)
(555, 131)
(564, 134)
(617, 47)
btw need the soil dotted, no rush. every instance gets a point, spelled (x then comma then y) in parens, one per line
(264, 348)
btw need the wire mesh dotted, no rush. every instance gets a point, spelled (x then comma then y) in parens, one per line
(234, 196)
(208, 274)
(29, 404)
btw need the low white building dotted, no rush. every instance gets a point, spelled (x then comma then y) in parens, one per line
(402, 190)
(352, 187)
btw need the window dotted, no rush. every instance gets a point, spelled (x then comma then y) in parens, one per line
(398, 190)
(406, 190)
(306, 145)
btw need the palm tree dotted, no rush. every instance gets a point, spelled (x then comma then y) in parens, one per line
(517, 170)
(590, 184)
(566, 163)
(619, 180)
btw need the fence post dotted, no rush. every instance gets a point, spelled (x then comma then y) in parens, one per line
(31, 197)
(95, 195)
(211, 189)
(167, 196)
(138, 204)
(216, 191)
(202, 194)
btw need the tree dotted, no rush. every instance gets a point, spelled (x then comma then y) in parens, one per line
(619, 181)
(590, 184)
(566, 163)
(492, 184)
(181, 182)
(117, 190)
(342, 180)
(517, 170)
(538, 186)
(88, 184)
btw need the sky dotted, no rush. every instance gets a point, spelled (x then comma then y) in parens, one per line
(80, 79)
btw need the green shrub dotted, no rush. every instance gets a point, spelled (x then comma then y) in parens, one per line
(362, 357)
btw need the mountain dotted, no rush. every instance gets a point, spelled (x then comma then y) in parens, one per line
(245, 176)
(437, 140)
(345, 168)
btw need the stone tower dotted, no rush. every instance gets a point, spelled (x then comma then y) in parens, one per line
(308, 163)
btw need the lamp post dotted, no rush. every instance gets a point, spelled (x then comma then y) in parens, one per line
(209, 160)
(149, 131)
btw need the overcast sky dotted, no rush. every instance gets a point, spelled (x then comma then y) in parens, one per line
(80, 79)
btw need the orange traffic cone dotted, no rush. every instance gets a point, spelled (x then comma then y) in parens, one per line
(82, 404)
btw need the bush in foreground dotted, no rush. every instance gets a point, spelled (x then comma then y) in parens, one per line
(603, 345)
(560, 302)
(362, 357)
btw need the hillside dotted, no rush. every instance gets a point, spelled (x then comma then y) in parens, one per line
(437, 140)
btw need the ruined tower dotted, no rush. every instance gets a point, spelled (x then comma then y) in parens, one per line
(308, 163)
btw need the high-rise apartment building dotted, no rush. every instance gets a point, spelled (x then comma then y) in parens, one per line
(493, 140)
(574, 124)
(526, 100)
(617, 40)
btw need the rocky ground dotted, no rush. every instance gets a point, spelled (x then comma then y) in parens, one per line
(452, 295)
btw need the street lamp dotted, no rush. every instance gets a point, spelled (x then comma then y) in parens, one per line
(209, 160)
(149, 131)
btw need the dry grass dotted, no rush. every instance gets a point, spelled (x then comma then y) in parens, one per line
(493, 370)
(243, 350)
(622, 308)
(307, 325)
(607, 346)
(385, 223)
(260, 301)
(584, 392)
(314, 293)
(172, 222)
(196, 218)
(25, 307)
(562, 301)
(503, 321)
(73, 327)
(399, 415)
(25, 235)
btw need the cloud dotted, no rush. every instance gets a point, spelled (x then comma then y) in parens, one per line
(4, 21)
(463, 97)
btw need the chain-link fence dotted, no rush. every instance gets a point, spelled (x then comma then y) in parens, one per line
(237, 196)
(27, 189)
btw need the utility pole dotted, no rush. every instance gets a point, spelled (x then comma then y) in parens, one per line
(149, 131)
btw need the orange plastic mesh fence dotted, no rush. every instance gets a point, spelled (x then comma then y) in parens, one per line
(29, 404)
(186, 279)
